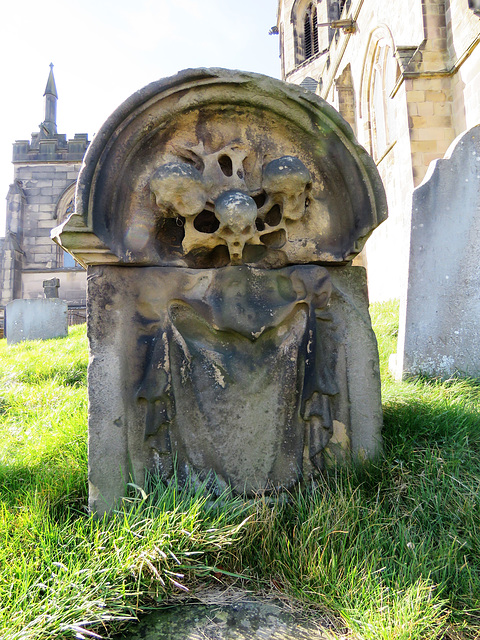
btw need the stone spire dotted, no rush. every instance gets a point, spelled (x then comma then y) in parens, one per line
(49, 125)
(47, 145)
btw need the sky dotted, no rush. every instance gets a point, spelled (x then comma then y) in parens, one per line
(105, 50)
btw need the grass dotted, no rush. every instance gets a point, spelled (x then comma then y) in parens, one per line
(389, 550)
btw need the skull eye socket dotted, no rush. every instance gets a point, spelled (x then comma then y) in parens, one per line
(227, 231)
(206, 222)
(170, 232)
(274, 216)
(247, 230)
(260, 199)
(226, 165)
(274, 239)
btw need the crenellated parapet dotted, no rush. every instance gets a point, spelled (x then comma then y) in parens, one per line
(53, 149)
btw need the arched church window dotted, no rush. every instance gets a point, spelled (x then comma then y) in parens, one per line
(310, 32)
(384, 76)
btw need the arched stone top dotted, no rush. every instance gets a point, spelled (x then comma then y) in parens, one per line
(154, 187)
(298, 8)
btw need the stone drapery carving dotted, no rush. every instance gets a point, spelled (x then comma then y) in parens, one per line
(232, 348)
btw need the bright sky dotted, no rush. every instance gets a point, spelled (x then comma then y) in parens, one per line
(104, 50)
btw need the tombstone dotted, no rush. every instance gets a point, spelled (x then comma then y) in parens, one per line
(217, 214)
(40, 319)
(440, 316)
(50, 288)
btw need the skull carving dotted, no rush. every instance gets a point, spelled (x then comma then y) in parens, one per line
(236, 212)
(178, 189)
(222, 169)
(213, 215)
(286, 181)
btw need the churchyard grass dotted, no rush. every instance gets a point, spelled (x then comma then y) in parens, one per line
(389, 550)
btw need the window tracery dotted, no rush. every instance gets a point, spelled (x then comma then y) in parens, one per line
(383, 79)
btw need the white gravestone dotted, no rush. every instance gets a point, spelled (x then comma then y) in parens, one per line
(440, 318)
(40, 319)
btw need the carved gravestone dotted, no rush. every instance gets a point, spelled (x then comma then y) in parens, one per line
(217, 213)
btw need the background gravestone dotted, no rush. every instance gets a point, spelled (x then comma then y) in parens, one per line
(217, 214)
(50, 287)
(40, 319)
(440, 319)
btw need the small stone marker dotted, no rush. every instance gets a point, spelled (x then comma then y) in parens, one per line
(40, 319)
(440, 318)
(217, 214)
(50, 288)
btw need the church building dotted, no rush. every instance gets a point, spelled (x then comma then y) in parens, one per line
(405, 74)
(41, 197)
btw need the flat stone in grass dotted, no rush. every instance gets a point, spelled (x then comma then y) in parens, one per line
(244, 619)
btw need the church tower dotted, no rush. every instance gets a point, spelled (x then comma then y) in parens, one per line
(41, 196)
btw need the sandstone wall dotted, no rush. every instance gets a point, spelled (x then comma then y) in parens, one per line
(434, 96)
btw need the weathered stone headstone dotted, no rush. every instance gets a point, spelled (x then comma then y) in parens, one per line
(50, 288)
(440, 317)
(40, 319)
(217, 213)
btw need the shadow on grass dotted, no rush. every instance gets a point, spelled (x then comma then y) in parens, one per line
(59, 490)
(422, 412)
(66, 376)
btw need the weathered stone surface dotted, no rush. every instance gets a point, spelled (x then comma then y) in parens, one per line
(36, 320)
(349, 302)
(316, 193)
(440, 322)
(220, 348)
(50, 287)
(251, 378)
(246, 619)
